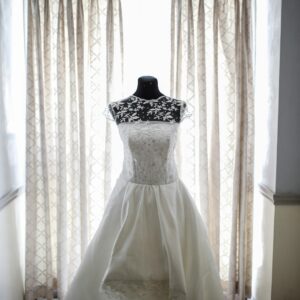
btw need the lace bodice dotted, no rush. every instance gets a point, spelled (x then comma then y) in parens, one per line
(148, 145)
(134, 109)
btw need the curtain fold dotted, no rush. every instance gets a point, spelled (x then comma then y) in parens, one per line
(74, 60)
(211, 69)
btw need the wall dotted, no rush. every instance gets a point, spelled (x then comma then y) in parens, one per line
(288, 156)
(277, 203)
(12, 241)
(286, 249)
(286, 260)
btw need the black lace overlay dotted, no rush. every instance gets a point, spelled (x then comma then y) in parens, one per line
(135, 109)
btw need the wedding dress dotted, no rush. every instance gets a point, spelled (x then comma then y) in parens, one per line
(151, 243)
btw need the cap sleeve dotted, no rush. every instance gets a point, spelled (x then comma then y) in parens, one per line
(186, 111)
(108, 112)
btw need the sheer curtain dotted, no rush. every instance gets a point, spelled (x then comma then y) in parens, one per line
(75, 67)
(211, 68)
(12, 101)
(75, 58)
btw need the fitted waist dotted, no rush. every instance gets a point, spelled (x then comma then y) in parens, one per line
(150, 174)
(153, 183)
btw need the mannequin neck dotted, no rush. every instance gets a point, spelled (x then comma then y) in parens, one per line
(147, 88)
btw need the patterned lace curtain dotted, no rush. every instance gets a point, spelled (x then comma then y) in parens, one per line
(211, 68)
(74, 65)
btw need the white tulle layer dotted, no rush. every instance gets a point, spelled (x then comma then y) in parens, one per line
(151, 244)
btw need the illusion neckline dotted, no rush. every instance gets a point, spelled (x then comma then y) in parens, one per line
(146, 100)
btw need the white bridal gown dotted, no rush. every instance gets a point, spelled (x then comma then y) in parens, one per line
(151, 243)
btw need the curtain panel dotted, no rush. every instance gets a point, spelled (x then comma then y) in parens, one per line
(75, 55)
(74, 69)
(212, 69)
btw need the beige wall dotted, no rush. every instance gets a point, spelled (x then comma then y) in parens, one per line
(276, 259)
(286, 260)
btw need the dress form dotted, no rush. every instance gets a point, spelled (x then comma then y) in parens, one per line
(147, 88)
(148, 104)
(151, 243)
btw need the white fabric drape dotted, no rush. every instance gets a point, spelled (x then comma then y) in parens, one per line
(211, 69)
(75, 54)
(75, 67)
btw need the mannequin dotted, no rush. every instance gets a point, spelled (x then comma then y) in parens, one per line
(147, 88)
(147, 104)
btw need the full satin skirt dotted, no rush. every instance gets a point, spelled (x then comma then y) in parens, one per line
(151, 244)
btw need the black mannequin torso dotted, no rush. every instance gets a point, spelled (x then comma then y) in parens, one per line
(147, 88)
(169, 108)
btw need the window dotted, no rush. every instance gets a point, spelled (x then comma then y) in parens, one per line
(12, 101)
